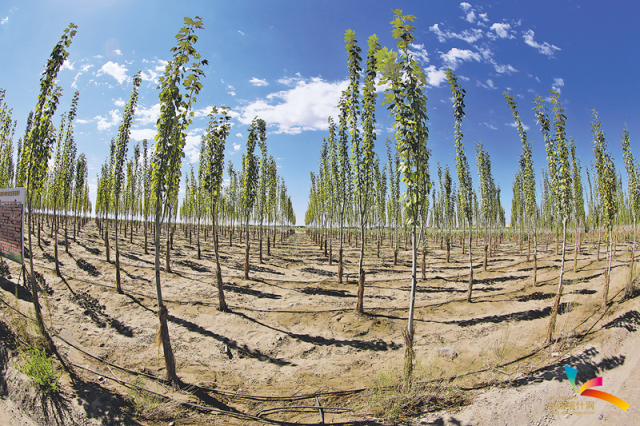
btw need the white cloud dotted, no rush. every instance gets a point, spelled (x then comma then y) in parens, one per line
(435, 77)
(504, 68)
(470, 36)
(202, 112)
(455, 57)
(492, 127)
(544, 48)
(232, 93)
(288, 81)
(205, 111)
(241, 33)
(471, 15)
(106, 123)
(144, 116)
(442, 37)
(128, 62)
(258, 82)
(4, 21)
(150, 75)
(239, 134)
(144, 61)
(501, 31)
(81, 121)
(487, 55)
(236, 147)
(524, 126)
(117, 52)
(484, 17)
(488, 85)
(67, 65)
(192, 145)
(83, 69)
(119, 72)
(420, 52)
(304, 107)
(98, 56)
(118, 102)
(140, 134)
(557, 84)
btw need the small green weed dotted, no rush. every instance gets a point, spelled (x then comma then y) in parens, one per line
(144, 403)
(394, 400)
(39, 368)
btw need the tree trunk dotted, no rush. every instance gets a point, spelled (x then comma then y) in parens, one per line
(599, 241)
(54, 229)
(222, 304)
(575, 254)
(246, 255)
(198, 241)
(39, 229)
(628, 291)
(146, 250)
(66, 236)
(340, 252)
(106, 245)
(535, 254)
(607, 272)
(409, 332)
(163, 313)
(168, 254)
(470, 265)
(556, 303)
(34, 291)
(360, 293)
(118, 285)
(484, 264)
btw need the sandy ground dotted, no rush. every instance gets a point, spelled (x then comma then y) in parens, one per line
(293, 330)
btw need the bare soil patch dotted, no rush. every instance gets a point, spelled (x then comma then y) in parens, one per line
(293, 331)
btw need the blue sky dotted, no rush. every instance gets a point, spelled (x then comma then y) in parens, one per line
(285, 62)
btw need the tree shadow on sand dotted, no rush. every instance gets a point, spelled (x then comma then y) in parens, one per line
(629, 321)
(373, 345)
(587, 369)
(16, 290)
(96, 312)
(243, 350)
(234, 288)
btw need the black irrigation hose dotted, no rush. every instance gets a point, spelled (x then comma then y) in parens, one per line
(215, 391)
(259, 310)
(301, 397)
(236, 414)
(303, 408)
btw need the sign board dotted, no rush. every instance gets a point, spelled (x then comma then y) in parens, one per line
(12, 223)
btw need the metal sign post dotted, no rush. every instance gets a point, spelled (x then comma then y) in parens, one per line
(12, 223)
